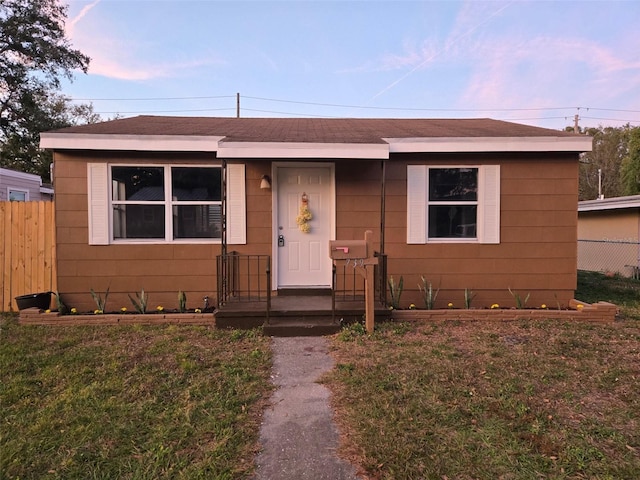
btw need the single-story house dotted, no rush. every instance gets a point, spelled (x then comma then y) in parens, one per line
(481, 205)
(609, 235)
(23, 187)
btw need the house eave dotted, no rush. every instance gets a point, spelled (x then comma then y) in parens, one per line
(8, 173)
(489, 144)
(144, 143)
(613, 203)
(299, 150)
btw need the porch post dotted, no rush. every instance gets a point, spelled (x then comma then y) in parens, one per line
(382, 204)
(223, 217)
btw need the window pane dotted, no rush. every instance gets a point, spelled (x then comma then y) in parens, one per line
(447, 221)
(138, 183)
(196, 184)
(197, 221)
(138, 221)
(453, 184)
(17, 196)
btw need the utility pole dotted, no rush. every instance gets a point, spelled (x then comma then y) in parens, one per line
(237, 105)
(576, 128)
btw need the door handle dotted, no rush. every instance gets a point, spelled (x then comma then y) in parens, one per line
(281, 240)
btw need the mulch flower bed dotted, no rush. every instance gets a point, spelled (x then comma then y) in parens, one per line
(579, 311)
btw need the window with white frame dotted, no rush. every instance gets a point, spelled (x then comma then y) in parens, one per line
(453, 204)
(164, 203)
(168, 203)
(15, 195)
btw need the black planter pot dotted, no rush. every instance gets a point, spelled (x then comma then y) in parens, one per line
(37, 300)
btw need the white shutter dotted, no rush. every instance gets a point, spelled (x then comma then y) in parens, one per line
(236, 205)
(98, 203)
(489, 204)
(416, 203)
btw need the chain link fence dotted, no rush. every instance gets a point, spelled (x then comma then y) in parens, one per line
(613, 256)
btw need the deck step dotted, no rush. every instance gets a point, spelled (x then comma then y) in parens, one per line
(300, 329)
(294, 315)
(304, 292)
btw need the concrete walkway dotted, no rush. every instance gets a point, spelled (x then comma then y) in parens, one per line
(298, 436)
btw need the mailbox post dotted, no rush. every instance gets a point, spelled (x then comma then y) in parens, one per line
(360, 252)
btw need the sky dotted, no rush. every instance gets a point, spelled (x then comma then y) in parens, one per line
(534, 62)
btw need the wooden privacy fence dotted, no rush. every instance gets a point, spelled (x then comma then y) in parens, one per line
(27, 250)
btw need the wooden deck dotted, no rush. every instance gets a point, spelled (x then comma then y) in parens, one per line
(294, 315)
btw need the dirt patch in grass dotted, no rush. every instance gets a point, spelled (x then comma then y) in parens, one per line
(515, 400)
(130, 402)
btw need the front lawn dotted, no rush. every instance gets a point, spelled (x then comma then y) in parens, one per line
(130, 402)
(494, 400)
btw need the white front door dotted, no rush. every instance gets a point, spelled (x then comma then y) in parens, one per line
(302, 252)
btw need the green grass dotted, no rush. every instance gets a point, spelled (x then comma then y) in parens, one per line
(130, 402)
(488, 400)
(624, 292)
(481, 400)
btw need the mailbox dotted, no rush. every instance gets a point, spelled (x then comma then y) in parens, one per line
(348, 249)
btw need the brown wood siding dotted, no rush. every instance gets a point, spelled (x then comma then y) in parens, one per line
(358, 188)
(537, 253)
(161, 270)
(259, 219)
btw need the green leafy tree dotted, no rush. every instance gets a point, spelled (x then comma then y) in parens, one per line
(35, 56)
(604, 163)
(630, 169)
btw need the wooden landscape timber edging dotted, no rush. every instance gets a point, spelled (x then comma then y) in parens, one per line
(578, 311)
(34, 316)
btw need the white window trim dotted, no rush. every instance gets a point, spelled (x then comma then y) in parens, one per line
(100, 209)
(488, 212)
(18, 190)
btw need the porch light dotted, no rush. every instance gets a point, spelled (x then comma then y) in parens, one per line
(265, 183)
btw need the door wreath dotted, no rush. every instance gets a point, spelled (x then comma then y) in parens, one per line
(305, 215)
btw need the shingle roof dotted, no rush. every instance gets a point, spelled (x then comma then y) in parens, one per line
(312, 130)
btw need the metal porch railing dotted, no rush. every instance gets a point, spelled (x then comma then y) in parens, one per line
(243, 278)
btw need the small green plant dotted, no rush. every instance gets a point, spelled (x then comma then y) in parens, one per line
(140, 302)
(428, 294)
(468, 297)
(519, 302)
(395, 290)
(182, 301)
(60, 305)
(351, 331)
(101, 302)
(555, 295)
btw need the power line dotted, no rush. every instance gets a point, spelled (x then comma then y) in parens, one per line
(613, 119)
(139, 112)
(338, 105)
(144, 99)
(288, 113)
(409, 108)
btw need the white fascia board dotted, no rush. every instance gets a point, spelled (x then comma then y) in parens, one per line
(5, 172)
(302, 150)
(613, 203)
(489, 144)
(143, 143)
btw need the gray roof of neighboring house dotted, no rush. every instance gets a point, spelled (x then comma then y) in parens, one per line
(613, 203)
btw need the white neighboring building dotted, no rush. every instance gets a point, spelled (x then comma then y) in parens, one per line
(23, 187)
